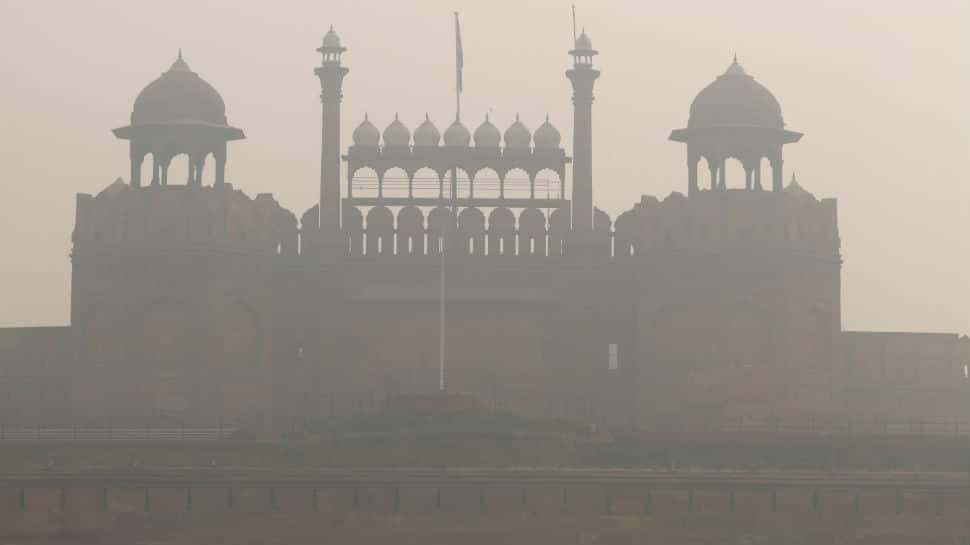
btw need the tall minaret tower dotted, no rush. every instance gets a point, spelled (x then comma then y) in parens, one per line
(331, 74)
(583, 76)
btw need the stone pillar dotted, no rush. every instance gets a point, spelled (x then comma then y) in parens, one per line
(156, 169)
(136, 160)
(198, 170)
(220, 156)
(165, 163)
(757, 176)
(692, 160)
(722, 174)
(776, 174)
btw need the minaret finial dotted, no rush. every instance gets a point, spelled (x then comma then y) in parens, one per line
(180, 53)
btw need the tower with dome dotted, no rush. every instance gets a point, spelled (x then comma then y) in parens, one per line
(196, 303)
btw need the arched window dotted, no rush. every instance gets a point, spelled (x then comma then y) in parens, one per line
(380, 231)
(471, 232)
(501, 232)
(410, 231)
(440, 221)
(532, 233)
(487, 184)
(426, 183)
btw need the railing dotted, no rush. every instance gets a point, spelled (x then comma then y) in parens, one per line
(115, 434)
(808, 425)
(511, 187)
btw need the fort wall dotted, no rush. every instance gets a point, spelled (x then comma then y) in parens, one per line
(483, 507)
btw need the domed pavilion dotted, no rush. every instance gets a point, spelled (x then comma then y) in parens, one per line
(735, 117)
(178, 113)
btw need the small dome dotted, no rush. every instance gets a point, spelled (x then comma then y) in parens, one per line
(457, 135)
(427, 135)
(366, 134)
(179, 95)
(547, 136)
(735, 99)
(794, 188)
(583, 42)
(331, 40)
(487, 135)
(518, 135)
(396, 135)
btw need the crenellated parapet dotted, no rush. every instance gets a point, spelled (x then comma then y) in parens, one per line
(183, 217)
(792, 220)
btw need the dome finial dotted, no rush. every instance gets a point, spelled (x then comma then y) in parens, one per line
(735, 69)
(794, 180)
(179, 65)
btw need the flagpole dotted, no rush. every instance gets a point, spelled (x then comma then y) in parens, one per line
(459, 64)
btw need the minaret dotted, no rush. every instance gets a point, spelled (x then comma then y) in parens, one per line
(583, 76)
(331, 75)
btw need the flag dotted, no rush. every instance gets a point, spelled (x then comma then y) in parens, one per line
(459, 55)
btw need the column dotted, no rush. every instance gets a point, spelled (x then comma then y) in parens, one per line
(136, 161)
(757, 175)
(199, 168)
(220, 157)
(165, 163)
(722, 173)
(776, 174)
(692, 160)
(156, 178)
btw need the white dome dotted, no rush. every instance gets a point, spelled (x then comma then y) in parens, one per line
(396, 135)
(518, 136)
(457, 135)
(487, 135)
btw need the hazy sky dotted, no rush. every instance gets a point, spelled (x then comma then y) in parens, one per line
(881, 89)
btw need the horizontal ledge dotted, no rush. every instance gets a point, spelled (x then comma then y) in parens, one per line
(461, 203)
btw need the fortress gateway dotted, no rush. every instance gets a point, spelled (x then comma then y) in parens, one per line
(194, 303)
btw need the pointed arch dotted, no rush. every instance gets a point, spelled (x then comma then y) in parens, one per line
(440, 222)
(353, 229)
(532, 233)
(471, 232)
(558, 231)
(380, 231)
(410, 231)
(501, 232)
